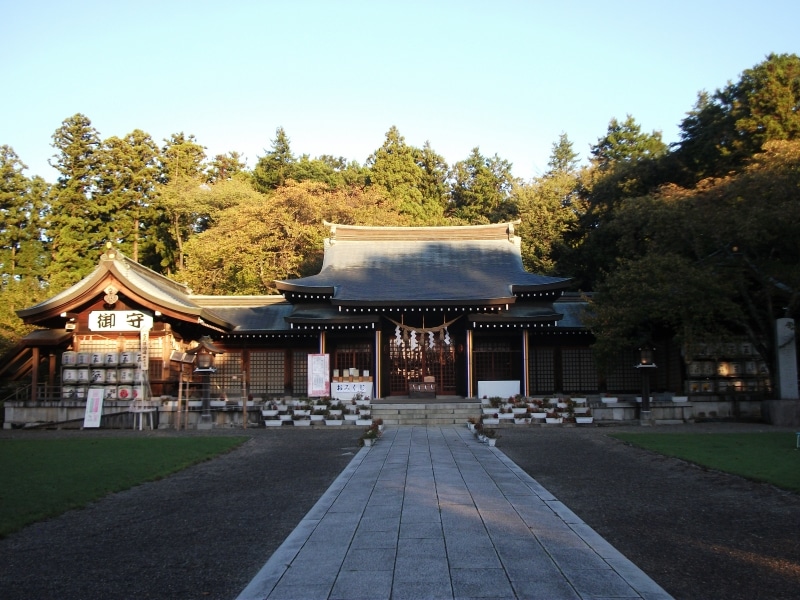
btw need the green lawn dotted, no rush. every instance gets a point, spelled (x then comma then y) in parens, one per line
(44, 478)
(769, 457)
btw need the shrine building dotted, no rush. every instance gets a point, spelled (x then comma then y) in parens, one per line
(448, 310)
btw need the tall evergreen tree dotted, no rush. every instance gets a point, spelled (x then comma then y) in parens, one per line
(727, 127)
(21, 203)
(276, 167)
(480, 189)
(130, 174)
(78, 220)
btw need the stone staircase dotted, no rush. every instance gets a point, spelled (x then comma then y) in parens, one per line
(426, 413)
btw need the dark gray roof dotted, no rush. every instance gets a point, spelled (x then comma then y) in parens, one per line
(408, 265)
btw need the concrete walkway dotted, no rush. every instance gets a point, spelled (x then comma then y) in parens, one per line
(432, 513)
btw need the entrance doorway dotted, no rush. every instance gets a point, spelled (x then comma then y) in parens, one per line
(407, 365)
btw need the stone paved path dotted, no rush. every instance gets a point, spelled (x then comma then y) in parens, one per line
(432, 513)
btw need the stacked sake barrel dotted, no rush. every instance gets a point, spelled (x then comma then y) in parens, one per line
(116, 373)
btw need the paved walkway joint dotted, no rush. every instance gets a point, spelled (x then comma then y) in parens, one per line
(433, 513)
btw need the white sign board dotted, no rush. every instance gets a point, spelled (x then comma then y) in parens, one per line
(119, 320)
(498, 389)
(345, 390)
(94, 407)
(319, 381)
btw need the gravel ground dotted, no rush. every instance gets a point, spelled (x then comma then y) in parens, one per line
(206, 531)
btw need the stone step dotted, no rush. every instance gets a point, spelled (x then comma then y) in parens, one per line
(431, 413)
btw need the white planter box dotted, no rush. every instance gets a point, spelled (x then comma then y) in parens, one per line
(538, 415)
(609, 400)
(583, 420)
(272, 423)
(680, 398)
(364, 422)
(553, 421)
(301, 413)
(350, 417)
(302, 423)
(269, 413)
(519, 411)
(504, 416)
(491, 421)
(579, 400)
(522, 421)
(489, 411)
(333, 422)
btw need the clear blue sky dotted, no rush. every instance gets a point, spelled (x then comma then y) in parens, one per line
(506, 76)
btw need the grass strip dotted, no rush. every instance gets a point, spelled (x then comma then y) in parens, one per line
(770, 457)
(40, 479)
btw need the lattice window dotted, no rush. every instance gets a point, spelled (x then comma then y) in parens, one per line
(267, 372)
(358, 356)
(623, 376)
(228, 366)
(541, 367)
(578, 370)
(299, 373)
(496, 361)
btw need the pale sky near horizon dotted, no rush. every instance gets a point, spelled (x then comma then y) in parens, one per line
(506, 76)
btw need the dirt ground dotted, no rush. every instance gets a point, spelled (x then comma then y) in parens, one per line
(206, 531)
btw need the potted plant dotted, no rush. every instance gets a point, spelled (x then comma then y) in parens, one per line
(370, 435)
(334, 418)
(492, 419)
(491, 436)
(379, 422)
(552, 417)
(301, 420)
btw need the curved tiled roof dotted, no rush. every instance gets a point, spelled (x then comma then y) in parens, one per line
(426, 265)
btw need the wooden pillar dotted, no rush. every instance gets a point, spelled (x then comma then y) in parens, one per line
(470, 393)
(376, 374)
(525, 362)
(34, 373)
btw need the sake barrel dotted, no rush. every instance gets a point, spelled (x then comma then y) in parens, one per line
(111, 376)
(84, 359)
(126, 375)
(80, 392)
(69, 375)
(97, 375)
(69, 358)
(83, 375)
(97, 359)
(68, 392)
(110, 392)
(125, 392)
(129, 358)
(111, 359)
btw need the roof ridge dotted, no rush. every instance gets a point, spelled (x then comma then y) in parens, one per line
(491, 231)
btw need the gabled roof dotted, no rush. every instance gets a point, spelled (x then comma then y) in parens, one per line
(139, 282)
(460, 265)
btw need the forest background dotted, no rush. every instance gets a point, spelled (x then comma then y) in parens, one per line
(697, 239)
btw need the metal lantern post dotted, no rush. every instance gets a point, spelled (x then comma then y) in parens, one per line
(645, 364)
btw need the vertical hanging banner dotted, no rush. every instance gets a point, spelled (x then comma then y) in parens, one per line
(319, 381)
(94, 407)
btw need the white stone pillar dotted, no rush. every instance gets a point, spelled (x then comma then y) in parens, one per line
(786, 359)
